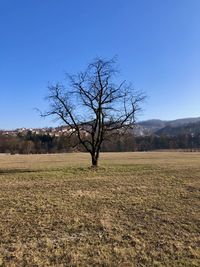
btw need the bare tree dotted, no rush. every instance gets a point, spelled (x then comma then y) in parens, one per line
(94, 106)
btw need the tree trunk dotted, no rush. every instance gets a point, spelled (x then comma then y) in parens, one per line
(94, 161)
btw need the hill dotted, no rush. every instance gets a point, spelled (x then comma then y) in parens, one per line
(142, 128)
(173, 127)
(170, 130)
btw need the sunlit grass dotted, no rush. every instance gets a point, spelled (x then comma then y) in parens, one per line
(137, 209)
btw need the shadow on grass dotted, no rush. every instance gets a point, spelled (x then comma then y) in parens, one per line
(102, 170)
(11, 171)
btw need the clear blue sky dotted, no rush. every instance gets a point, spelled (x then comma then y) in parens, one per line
(157, 43)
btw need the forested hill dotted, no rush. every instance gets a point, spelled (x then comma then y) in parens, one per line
(170, 128)
(147, 135)
(143, 128)
(191, 128)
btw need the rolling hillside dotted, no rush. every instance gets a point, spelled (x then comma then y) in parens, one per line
(172, 128)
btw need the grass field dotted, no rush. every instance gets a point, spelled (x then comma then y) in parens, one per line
(137, 209)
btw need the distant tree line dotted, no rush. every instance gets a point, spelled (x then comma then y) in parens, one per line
(32, 143)
(182, 141)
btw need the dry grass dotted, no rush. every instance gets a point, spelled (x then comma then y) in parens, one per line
(137, 209)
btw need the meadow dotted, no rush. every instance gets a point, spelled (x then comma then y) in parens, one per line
(136, 209)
